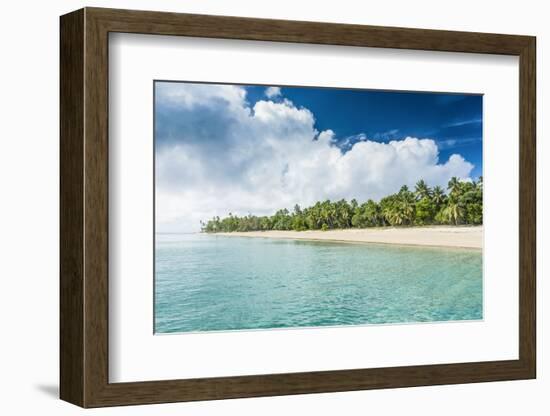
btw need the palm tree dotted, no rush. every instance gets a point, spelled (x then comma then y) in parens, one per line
(407, 210)
(372, 212)
(403, 190)
(344, 212)
(479, 183)
(422, 190)
(438, 196)
(454, 185)
(454, 213)
(326, 213)
(395, 216)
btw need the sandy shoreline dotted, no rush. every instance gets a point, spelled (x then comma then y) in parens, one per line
(435, 236)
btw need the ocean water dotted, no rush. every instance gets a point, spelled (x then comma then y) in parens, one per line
(216, 283)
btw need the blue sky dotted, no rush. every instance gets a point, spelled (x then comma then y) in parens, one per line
(454, 121)
(223, 148)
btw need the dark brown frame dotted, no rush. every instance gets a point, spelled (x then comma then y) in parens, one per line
(84, 207)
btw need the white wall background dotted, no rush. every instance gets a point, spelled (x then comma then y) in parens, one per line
(29, 208)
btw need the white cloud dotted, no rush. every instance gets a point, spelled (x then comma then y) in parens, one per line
(217, 155)
(272, 92)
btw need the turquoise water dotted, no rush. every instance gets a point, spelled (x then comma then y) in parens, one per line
(217, 283)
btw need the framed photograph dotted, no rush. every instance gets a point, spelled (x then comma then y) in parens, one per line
(260, 207)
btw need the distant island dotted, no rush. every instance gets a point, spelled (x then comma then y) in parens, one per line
(462, 204)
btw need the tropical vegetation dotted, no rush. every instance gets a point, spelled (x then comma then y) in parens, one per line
(460, 204)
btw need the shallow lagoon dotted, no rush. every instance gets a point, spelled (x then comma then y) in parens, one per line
(217, 283)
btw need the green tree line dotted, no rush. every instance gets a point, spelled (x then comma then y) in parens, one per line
(461, 203)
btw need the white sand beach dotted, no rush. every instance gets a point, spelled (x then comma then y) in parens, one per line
(435, 236)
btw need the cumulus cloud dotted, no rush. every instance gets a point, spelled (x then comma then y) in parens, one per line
(216, 154)
(272, 92)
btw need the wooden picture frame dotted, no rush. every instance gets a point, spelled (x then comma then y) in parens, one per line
(84, 207)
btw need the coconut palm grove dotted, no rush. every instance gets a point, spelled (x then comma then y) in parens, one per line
(460, 204)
